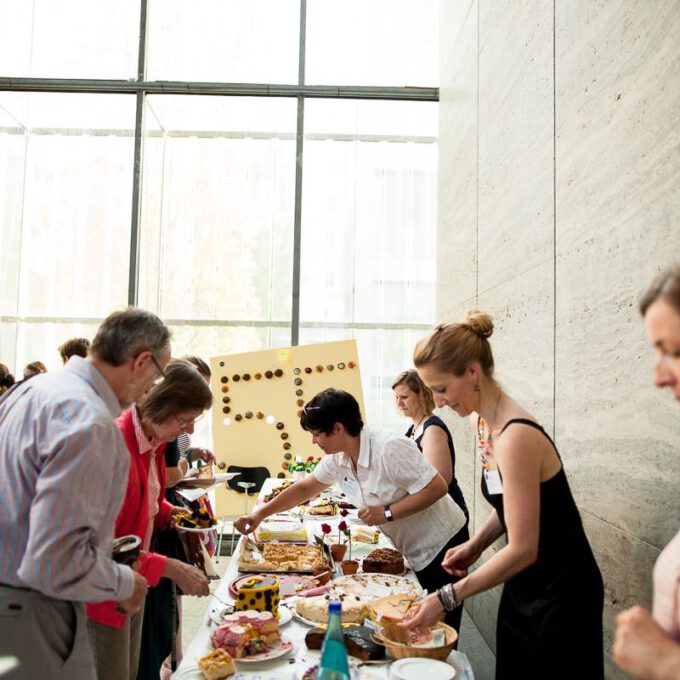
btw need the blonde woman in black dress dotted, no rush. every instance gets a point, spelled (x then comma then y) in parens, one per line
(550, 614)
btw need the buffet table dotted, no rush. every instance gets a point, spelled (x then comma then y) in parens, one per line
(292, 666)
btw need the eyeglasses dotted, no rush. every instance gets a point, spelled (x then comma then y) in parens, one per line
(186, 424)
(161, 372)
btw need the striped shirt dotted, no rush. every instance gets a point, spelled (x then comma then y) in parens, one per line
(63, 473)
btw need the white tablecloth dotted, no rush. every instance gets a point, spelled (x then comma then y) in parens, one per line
(293, 666)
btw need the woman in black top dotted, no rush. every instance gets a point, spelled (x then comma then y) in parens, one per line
(428, 431)
(550, 613)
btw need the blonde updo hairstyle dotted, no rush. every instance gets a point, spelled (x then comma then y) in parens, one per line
(452, 347)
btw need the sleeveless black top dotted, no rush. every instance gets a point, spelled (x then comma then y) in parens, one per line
(550, 614)
(454, 489)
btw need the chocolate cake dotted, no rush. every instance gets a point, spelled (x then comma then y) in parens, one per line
(357, 638)
(384, 561)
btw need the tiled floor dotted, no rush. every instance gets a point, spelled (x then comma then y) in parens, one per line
(471, 642)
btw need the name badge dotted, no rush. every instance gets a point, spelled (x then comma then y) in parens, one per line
(494, 485)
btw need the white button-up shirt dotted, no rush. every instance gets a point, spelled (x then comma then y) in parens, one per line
(389, 468)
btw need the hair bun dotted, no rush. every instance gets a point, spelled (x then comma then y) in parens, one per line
(480, 323)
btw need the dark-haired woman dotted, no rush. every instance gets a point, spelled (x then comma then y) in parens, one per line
(168, 409)
(428, 431)
(386, 477)
(553, 590)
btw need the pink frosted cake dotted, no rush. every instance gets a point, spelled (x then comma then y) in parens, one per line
(246, 633)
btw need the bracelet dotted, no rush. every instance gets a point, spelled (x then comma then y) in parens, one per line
(448, 598)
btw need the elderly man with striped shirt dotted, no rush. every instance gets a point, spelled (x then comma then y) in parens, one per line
(63, 474)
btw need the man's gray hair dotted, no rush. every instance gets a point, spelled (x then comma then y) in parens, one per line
(126, 333)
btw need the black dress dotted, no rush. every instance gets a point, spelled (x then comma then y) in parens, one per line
(454, 490)
(550, 614)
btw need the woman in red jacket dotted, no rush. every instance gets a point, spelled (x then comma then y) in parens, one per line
(168, 409)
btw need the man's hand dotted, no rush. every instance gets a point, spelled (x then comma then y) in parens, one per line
(134, 603)
(247, 524)
(373, 515)
(191, 580)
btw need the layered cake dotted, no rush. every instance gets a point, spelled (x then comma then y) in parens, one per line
(247, 634)
(384, 561)
(206, 472)
(282, 530)
(358, 640)
(217, 665)
(259, 594)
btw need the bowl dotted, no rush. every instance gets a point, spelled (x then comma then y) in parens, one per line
(126, 549)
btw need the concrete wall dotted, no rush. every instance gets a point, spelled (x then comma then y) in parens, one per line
(558, 201)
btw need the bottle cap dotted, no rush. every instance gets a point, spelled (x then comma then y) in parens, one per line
(334, 606)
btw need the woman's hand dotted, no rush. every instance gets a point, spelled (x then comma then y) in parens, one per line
(191, 580)
(643, 648)
(458, 559)
(247, 524)
(373, 515)
(429, 611)
(172, 515)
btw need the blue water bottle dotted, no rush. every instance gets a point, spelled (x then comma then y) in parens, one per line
(334, 664)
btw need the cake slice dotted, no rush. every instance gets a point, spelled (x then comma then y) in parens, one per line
(216, 665)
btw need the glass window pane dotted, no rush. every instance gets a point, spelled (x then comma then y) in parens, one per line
(368, 214)
(245, 41)
(383, 42)
(66, 182)
(69, 38)
(217, 209)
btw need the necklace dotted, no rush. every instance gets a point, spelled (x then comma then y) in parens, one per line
(415, 427)
(486, 443)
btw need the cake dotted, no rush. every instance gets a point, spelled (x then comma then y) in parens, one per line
(391, 609)
(206, 472)
(315, 609)
(216, 665)
(259, 594)
(325, 510)
(358, 640)
(384, 561)
(247, 633)
(282, 531)
(365, 535)
(197, 519)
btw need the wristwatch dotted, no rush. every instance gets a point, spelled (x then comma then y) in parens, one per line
(388, 514)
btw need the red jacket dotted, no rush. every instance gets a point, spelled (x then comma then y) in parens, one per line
(134, 515)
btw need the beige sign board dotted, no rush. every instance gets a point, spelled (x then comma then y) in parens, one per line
(258, 398)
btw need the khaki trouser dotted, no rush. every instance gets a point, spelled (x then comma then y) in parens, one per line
(48, 636)
(116, 650)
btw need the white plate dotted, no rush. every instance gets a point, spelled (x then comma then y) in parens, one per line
(416, 669)
(197, 530)
(282, 649)
(216, 614)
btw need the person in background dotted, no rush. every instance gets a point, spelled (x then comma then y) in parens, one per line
(552, 584)
(386, 477)
(169, 408)
(647, 645)
(33, 369)
(428, 431)
(6, 379)
(74, 347)
(63, 472)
